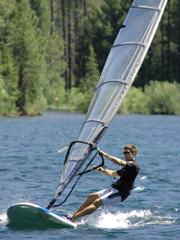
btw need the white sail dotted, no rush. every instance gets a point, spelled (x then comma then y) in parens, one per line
(121, 67)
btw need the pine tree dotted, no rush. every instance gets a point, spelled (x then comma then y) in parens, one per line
(8, 69)
(174, 33)
(54, 51)
(41, 8)
(55, 69)
(101, 28)
(89, 82)
(29, 58)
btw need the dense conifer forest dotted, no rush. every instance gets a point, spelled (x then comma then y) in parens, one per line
(52, 53)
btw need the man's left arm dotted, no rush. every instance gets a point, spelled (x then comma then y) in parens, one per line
(106, 171)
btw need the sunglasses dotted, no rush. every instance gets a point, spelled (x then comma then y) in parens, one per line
(126, 152)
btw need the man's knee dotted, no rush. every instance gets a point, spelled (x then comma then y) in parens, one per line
(93, 196)
(98, 202)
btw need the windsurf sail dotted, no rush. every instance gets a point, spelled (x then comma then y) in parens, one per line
(124, 60)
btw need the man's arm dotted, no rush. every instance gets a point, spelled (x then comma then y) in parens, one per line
(106, 171)
(115, 160)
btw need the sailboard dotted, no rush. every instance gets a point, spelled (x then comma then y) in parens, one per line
(32, 216)
(122, 65)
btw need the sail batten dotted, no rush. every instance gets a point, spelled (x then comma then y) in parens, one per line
(103, 123)
(129, 43)
(146, 7)
(121, 67)
(96, 120)
(119, 81)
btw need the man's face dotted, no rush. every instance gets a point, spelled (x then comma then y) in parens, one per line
(128, 155)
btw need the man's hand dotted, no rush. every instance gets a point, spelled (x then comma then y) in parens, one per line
(101, 153)
(93, 168)
(93, 146)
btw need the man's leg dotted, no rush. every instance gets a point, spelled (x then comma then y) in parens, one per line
(89, 206)
(91, 198)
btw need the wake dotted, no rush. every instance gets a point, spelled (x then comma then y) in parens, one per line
(123, 220)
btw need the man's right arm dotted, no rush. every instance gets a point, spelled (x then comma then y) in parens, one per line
(115, 160)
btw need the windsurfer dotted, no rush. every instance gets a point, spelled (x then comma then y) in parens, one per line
(120, 190)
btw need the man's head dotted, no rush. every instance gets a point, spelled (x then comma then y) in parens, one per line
(130, 152)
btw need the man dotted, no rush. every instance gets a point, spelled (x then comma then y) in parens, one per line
(120, 190)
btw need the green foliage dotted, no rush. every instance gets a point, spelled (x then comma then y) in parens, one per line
(55, 68)
(158, 98)
(8, 69)
(29, 59)
(163, 97)
(74, 101)
(89, 82)
(101, 28)
(47, 45)
(9, 74)
(134, 102)
(6, 106)
(43, 14)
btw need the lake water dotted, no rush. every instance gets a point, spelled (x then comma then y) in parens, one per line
(31, 167)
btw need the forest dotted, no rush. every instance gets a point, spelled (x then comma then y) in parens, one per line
(53, 51)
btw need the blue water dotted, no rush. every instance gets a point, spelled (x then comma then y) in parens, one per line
(31, 167)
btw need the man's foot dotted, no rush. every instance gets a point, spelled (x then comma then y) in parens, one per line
(68, 218)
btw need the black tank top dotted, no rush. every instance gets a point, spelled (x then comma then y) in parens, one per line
(127, 177)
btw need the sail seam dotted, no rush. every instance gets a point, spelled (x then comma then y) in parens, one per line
(146, 7)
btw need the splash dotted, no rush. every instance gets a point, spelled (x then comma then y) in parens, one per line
(139, 188)
(124, 220)
(144, 177)
(3, 219)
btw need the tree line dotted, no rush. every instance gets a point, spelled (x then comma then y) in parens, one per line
(52, 51)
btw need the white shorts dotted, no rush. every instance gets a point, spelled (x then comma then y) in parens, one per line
(109, 196)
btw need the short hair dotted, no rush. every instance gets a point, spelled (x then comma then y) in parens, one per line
(131, 147)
